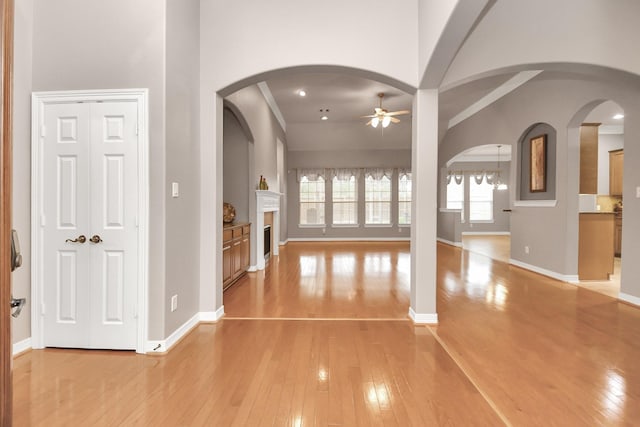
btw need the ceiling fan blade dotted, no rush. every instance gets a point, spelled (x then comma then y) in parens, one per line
(394, 120)
(398, 113)
(369, 122)
(370, 115)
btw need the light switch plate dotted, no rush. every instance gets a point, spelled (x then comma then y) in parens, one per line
(175, 189)
(638, 192)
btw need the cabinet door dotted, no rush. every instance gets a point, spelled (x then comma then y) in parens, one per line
(226, 263)
(616, 163)
(244, 253)
(236, 258)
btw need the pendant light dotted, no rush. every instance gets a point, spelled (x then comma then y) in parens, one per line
(498, 184)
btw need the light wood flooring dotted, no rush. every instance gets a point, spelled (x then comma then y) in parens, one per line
(321, 338)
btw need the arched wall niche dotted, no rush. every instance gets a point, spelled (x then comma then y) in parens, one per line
(524, 162)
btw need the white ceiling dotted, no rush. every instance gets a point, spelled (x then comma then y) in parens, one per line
(347, 98)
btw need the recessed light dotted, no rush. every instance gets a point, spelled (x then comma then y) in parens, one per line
(324, 118)
(618, 116)
(302, 93)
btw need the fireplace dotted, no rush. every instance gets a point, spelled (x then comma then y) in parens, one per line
(267, 242)
(266, 201)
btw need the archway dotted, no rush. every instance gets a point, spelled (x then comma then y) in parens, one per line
(211, 186)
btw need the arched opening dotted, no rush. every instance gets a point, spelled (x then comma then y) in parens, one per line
(475, 188)
(303, 141)
(598, 134)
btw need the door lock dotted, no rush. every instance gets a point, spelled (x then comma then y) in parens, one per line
(17, 304)
(95, 239)
(79, 239)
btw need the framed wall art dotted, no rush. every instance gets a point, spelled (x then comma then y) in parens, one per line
(538, 164)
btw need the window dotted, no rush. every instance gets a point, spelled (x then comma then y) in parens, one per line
(404, 198)
(377, 200)
(480, 200)
(345, 200)
(312, 201)
(455, 192)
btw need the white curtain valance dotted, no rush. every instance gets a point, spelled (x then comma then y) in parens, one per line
(378, 173)
(457, 176)
(477, 176)
(344, 174)
(312, 174)
(402, 172)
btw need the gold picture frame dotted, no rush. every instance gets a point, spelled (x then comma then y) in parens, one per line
(538, 164)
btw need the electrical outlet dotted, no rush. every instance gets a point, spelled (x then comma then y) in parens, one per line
(638, 192)
(174, 303)
(175, 189)
(526, 249)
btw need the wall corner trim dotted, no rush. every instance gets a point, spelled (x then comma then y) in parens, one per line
(629, 299)
(21, 346)
(423, 318)
(570, 278)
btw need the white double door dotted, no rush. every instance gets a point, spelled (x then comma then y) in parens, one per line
(89, 221)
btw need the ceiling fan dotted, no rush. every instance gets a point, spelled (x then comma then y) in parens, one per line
(384, 117)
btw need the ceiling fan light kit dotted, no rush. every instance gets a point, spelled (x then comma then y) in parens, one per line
(382, 116)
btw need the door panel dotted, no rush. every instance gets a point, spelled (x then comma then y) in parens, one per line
(114, 206)
(66, 261)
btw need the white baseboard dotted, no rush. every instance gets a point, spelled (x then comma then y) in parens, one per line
(570, 278)
(349, 239)
(629, 298)
(284, 243)
(486, 233)
(211, 316)
(252, 269)
(21, 346)
(449, 242)
(423, 318)
(162, 346)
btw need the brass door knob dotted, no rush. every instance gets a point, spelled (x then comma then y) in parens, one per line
(79, 239)
(95, 239)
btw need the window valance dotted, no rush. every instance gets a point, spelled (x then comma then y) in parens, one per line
(344, 174)
(312, 174)
(378, 173)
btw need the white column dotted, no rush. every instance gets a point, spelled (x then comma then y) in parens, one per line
(424, 176)
(211, 204)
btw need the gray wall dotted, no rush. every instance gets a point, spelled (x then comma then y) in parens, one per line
(182, 161)
(353, 159)
(236, 166)
(606, 143)
(562, 100)
(112, 45)
(22, 56)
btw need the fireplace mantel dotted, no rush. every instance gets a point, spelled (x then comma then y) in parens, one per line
(266, 201)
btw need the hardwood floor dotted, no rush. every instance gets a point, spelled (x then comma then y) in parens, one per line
(512, 348)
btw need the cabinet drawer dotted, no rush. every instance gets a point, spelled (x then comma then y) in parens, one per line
(226, 235)
(246, 230)
(237, 232)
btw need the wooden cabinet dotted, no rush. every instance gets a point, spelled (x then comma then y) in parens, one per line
(235, 252)
(589, 158)
(595, 246)
(616, 164)
(617, 235)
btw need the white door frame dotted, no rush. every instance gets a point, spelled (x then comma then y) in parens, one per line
(38, 102)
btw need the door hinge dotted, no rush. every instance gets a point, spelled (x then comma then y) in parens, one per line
(43, 131)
